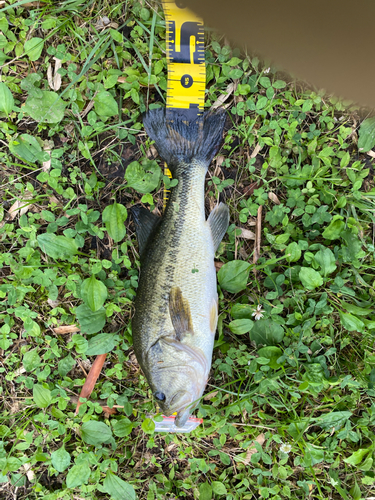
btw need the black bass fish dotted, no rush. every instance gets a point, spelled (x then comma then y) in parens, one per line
(176, 307)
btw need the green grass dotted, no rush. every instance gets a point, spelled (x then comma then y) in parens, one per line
(289, 410)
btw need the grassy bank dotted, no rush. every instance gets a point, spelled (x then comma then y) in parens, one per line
(289, 410)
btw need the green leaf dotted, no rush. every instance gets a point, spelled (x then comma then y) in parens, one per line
(272, 353)
(296, 429)
(42, 396)
(235, 61)
(241, 311)
(94, 293)
(105, 104)
(89, 321)
(355, 492)
(279, 84)
(345, 161)
(80, 343)
(235, 73)
(326, 259)
(134, 94)
(29, 84)
(101, 344)
(148, 426)
(314, 374)
(143, 178)
(368, 464)
(114, 217)
(65, 365)
(218, 488)
(241, 326)
(321, 215)
(4, 25)
(27, 147)
(205, 491)
(48, 108)
(277, 214)
(60, 459)
(78, 475)
(123, 427)
(4, 430)
(307, 105)
(31, 360)
(366, 135)
(357, 457)
(116, 35)
(334, 419)
(262, 102)
(57, 247)
(233, 276)
(326, 152)
(145, 14)
(265, 81)
(312, 455)
(351, 323)
(117, 488)
(110, 81)
(33, 48)
(358, 311)
(333, 231)
(94, 432)
(310, 279)
(293, 252)
(265, 331)
(6, 99)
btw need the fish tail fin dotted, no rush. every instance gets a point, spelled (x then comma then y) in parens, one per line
(183, 141)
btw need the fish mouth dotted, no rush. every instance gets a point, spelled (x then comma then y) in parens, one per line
(185, 405)
(182, 418)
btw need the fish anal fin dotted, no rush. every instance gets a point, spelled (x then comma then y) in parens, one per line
(179, 310)
(218, 222)
(145, 224)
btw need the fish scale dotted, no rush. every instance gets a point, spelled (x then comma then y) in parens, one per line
(182, 241)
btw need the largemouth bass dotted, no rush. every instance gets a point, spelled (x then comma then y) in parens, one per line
(176, 307)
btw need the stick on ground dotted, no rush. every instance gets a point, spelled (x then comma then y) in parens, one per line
(91, 379)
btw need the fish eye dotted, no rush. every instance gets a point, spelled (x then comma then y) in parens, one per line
(159, 396)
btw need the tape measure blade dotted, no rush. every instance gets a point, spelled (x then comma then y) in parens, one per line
(185, 54)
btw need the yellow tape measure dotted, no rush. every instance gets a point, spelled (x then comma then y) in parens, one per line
(186, 64)
(185, 55)
(166, 191)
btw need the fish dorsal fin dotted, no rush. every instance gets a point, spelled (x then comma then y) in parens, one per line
(145, 224)
(179, 309)
(218, 222)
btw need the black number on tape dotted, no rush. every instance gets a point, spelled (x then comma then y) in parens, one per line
(187, 81)
(188, 29)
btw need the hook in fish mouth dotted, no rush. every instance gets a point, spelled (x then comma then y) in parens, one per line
(184, 409)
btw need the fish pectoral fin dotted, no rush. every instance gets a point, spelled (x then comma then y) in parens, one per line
(145, 224)
(179, 310)
(218, 222)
